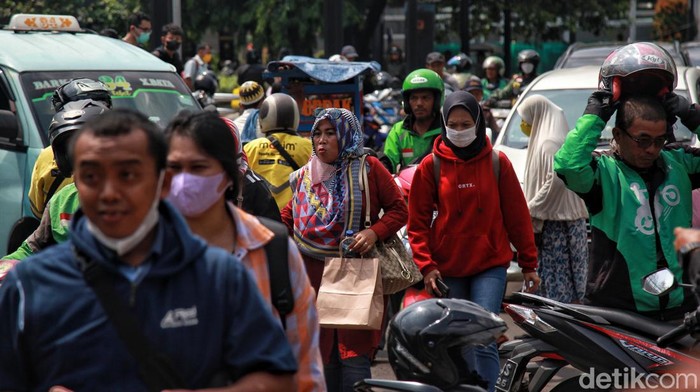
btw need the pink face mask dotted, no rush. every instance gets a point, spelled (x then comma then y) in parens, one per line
(192, 194)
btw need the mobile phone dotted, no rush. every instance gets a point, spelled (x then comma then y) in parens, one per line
(443, 288)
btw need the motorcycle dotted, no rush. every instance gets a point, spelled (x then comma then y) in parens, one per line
(621, 347)
(425, 342)
(382, 109)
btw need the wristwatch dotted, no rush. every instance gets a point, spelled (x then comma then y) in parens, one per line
(684, 250)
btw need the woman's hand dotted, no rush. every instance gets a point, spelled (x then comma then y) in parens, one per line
(364, 241)
(531, 281)
(429, 281)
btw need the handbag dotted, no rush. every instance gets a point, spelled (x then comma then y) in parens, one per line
(398, 269)
(350, 295)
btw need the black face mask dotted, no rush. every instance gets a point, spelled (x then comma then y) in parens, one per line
(172, 45)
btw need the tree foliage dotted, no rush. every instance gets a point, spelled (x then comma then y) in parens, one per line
(95, 14)
(536, 20)
(673, 21)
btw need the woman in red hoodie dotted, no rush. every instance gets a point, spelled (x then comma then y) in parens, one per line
(479, 214)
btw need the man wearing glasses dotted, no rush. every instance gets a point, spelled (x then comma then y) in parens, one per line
(138, 29)
(636, 194)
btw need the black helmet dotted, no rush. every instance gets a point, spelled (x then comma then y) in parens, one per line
(81, 89)
(528, 56)
(459, 63)
(426, 338)
(206, 81)
(638, 68)
(64, 124)
(382, 79)
(279, 112)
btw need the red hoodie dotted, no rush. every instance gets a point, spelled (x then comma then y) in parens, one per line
(472, 231)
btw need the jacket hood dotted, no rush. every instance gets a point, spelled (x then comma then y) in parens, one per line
(179, 246)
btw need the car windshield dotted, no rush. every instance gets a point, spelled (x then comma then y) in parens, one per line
(159, 95)
(573, 102)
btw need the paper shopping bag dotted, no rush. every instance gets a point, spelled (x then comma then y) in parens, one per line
(350, 295)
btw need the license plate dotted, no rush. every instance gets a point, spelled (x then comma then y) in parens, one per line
(505, 378)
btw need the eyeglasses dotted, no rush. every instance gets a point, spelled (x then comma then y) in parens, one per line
(647, 141)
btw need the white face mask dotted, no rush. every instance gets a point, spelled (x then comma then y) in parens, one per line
(528, 68)
(461, 138)
(124, 245)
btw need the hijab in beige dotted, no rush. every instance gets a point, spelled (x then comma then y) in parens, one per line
(547, 196)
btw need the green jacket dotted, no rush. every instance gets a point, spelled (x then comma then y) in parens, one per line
(54, 225)
(629, 216)
(403, 145)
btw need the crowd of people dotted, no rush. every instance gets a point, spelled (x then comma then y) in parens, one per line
(164, 244)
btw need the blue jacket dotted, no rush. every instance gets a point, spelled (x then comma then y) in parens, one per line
(196, 303)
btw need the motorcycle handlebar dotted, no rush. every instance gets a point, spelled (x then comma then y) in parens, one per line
(672, 336)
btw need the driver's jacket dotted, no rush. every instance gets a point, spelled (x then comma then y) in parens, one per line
(632, 220)
(403, 145)
(54, 223)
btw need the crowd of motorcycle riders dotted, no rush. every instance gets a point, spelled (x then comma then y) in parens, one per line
(240, 183)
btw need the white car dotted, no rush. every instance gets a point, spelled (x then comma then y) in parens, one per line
(569, 89)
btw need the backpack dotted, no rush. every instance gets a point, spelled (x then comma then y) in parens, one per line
(276, 251)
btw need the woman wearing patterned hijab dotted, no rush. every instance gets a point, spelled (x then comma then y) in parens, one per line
(327, 202)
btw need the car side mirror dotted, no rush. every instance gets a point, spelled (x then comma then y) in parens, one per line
(659, 282)
(9, 126)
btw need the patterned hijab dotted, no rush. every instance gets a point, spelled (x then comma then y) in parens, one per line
(327, 199)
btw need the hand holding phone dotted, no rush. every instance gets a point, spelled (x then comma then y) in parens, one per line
(444, 290)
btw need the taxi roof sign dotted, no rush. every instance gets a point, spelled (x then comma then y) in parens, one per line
(43, 22)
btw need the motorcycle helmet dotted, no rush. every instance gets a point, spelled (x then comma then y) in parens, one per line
(528, 56)
(381, 80)
(459, 63)
(279, 112)
(80, 89)
(422, 79)
(64, 124)
(207, 81)
(496, 62)
(638, 68)
(426, 338)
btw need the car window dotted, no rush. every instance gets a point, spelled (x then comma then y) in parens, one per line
(159, 95)
(573, 102)
(693, 54)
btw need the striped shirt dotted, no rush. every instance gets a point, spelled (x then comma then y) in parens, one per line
(302, 323)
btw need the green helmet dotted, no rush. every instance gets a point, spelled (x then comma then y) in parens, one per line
(423, 79)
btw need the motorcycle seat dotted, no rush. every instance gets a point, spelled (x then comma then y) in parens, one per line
(635, 322)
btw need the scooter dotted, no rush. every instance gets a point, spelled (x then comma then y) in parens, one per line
(611, 348)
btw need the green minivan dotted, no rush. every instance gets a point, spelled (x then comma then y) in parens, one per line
(40, 53)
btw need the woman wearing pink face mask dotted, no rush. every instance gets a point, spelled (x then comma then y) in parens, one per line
(205, 182)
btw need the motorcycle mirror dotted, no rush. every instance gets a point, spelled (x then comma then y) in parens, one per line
(659, 282)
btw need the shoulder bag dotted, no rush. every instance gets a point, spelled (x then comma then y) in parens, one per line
(398, 269)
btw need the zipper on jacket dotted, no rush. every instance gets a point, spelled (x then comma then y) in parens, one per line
(132, 294)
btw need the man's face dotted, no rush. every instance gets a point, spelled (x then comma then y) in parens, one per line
(646, 132)
(143, 27)
(116, 180)
(421, 103)
(437, 66)
(170, 37)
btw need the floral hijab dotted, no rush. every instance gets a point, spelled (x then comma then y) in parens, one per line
(327, 199)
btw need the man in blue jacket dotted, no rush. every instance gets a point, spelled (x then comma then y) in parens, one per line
(193, 304)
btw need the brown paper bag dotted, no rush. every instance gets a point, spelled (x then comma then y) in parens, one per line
(350, 295)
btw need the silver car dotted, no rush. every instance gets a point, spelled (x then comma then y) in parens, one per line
(569, 89)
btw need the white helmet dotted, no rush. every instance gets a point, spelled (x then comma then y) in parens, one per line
(279, 112)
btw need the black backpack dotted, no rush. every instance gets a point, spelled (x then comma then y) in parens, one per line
(278, 266)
